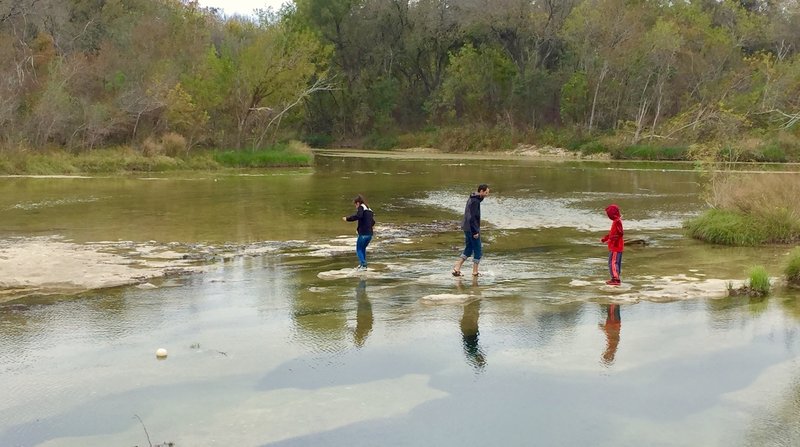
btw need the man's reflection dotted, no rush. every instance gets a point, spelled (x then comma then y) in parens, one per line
(364, 316)
(611, 328)
(469, 329)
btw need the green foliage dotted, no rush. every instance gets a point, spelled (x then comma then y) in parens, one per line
(84, 74)
(183, 116)
(575, 99)
(792, 270)
(477, 85)
(759, 280)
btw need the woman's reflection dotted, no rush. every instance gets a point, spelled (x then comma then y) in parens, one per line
(469, 329)
(611, 328)
(364, 316)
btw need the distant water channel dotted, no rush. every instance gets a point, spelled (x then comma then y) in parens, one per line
(263, 350)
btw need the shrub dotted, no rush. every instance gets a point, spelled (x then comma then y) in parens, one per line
(151, 148)
(381, 140)
(790, 143)
(174, 144)
(792, 270)
(318, 140)
(425, 138)
(593, 147)
(771, 153)
(759, 281)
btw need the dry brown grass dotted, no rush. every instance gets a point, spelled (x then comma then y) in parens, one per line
(174, 144)
(757, 194)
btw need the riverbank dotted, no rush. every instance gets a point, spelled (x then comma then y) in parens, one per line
(123, 160)
(127, 160)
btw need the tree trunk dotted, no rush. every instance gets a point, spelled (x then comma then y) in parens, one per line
(596, 91)
(643, 106)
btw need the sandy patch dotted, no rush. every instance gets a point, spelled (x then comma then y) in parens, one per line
(524, 150)
(527, 150)
(49, 265)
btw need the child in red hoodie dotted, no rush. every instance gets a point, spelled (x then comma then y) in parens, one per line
(615, 244)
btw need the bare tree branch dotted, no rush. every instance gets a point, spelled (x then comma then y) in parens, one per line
(322, 84)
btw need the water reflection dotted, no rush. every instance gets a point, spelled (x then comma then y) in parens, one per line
(470, 333)
(364, 317)
(611, 328)
(320, 319)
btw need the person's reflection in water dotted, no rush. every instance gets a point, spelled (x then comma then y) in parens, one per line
(611, 328)
(364, 316)
(469, 329)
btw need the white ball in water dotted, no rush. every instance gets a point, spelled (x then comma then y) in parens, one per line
(161, 353)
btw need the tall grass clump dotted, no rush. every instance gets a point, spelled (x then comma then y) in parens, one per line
(759, 281)
(750, 210)
(725, 228)
(280, 155)
(757, 284)
(792, 270)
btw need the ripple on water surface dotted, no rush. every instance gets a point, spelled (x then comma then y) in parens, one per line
(548, 212)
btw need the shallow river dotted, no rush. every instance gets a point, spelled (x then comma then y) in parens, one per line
(289, 348)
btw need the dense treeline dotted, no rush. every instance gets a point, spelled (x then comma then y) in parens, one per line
(719, 75)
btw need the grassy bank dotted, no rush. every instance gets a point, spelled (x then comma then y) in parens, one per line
(279, 157)
(129, 160)
(750, 210)
(779, 146)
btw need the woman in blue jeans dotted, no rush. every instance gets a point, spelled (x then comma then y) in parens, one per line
(366, 220)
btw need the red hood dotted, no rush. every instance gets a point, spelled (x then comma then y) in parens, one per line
(613, 212)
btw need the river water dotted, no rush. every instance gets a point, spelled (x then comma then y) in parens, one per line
(289, 348)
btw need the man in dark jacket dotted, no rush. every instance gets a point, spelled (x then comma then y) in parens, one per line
(472, 231)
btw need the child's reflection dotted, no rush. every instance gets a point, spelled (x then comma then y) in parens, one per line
(611, 328)
(364, 316)
(469, 328)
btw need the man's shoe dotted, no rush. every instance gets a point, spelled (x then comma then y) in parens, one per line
(613, 282)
